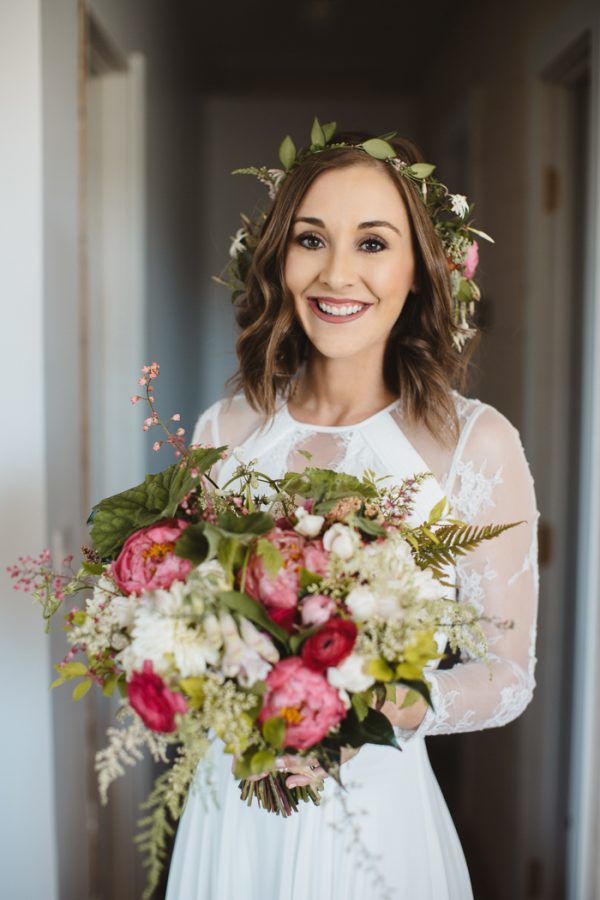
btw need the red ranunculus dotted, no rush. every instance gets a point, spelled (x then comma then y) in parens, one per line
(152, 700)
(330, 645)
(148, 561)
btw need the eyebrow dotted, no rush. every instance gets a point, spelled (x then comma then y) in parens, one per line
(374, 223)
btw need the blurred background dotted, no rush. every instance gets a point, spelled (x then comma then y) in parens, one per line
(121, 121)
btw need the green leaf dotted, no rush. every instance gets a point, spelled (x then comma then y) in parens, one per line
(420, 686)
(329, 130)
(317, 135)
(113, 519)
(298, 639)
(254, 611)
(194, 691)
(420, 170)
(436, 512)
(108, 688)
(380, 670)
(193, 544)
(375, 728)
(71, 670)
(81, 689)
(369, 526)
(92, 568)
(270, 555)
(307, 578)
(287, 152)
(482, 234)
(410, 699)
(273, 730)
(252, 524)
(378, 148)
(262, 761)
(360, 702)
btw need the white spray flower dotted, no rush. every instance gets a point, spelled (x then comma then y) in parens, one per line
(350, 675)
(459, 204)
(308, 525)
(362, 603)
(341, 540)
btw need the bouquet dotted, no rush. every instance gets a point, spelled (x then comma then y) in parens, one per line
(275, 615)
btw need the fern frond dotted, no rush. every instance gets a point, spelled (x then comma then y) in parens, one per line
(453, 540)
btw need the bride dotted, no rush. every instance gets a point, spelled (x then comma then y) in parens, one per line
(350, 351)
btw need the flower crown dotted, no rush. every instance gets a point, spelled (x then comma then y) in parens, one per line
(448, 212)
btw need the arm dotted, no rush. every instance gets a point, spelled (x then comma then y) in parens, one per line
(492, 484)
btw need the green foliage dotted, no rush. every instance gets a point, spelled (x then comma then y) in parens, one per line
(378, 148)
(273, 730)
(270, 555)
(451, 541)
(325, 487)
(113, 519)
(374, 728)
(251, 609)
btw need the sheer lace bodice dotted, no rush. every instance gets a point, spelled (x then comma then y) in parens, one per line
(486, 478)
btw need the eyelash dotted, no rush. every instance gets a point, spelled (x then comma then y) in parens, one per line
(372, 240)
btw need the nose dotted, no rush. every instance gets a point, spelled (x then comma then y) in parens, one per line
(338, 270)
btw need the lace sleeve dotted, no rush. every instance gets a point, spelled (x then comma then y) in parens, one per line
(492, 484)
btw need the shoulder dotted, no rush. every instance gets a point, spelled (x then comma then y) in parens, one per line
(483, 427)
(229, 420)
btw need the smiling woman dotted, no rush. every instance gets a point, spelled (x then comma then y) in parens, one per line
(371, 261)
(347, 356)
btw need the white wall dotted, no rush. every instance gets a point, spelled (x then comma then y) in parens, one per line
(27, 828)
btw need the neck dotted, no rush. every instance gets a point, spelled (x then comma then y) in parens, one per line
(340, 391)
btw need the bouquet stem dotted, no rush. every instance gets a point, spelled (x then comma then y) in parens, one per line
(272, 793)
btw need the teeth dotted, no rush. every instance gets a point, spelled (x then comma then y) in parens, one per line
(339, 310)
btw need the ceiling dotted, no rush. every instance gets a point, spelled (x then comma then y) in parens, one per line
(375, 46)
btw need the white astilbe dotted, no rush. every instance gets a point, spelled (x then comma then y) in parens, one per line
(104, 616)
(125, 749)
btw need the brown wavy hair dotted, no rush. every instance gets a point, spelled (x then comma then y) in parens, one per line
(421, 364)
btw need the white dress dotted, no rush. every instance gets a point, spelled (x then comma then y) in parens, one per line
(236, 852)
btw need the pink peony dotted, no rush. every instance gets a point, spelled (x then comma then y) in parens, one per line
(316, 558)
(305, 699)
(148, 561)
(316, 609)
(471, 260)
(154, 703)
(280, 592)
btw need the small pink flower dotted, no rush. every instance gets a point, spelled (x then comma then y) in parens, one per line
(304, 699)
(156, 446)
(316, 609)
(316, 558)
(471, 260)
(280, 591)
(176, 417)
(135, 399)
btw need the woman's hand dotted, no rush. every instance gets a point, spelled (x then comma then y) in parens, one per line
(410, 716)
(303, 769)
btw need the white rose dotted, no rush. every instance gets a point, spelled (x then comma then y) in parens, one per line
(341, 540)
(308, 525)
(362, 603)
(350, 675)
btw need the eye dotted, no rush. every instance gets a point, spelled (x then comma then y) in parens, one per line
(376, 244)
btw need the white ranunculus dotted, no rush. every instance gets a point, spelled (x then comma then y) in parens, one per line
(308, 525)
(350, 675)
(341, 540)
(362, 603)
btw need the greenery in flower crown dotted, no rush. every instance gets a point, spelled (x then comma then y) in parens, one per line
(449, 212)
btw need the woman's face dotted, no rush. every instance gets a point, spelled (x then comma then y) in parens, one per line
(349, 262)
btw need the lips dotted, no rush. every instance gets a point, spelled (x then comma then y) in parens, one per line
(335, 310)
